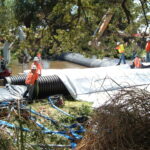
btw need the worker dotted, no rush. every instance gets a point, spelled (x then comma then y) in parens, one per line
(38, 65)
(40, 59)
(137, 63)
(121, 50)
(147, 48)
(31, 82)
(39, 55)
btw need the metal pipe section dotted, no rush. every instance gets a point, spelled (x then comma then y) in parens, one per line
(46, 85)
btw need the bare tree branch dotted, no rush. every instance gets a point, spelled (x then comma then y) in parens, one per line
(144, 13)
(127, 12)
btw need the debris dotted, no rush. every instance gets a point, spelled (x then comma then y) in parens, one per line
(122, 123)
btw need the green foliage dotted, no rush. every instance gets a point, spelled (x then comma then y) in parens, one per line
(7, 20)
(20, 140)
(50, 27)
(6, 142)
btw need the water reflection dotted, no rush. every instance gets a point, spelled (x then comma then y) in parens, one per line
(18, 68)
(64, 64)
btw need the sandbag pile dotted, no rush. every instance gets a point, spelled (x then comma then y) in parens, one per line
(122, 123)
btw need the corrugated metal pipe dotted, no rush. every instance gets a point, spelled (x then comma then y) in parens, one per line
(47, 85)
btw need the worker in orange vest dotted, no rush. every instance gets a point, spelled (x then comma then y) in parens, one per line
(30, 82)
(38, 65)
(137, 63)
(40, 58)
(147, 48)
(121, 50)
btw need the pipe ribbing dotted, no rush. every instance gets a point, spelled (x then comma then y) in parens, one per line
(48, 85)
(15, 80)
(51, 85)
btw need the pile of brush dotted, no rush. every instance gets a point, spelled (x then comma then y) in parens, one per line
(122, 123)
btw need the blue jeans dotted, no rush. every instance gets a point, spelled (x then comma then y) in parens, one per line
(147, 56)
(122, 58)
(30, 90)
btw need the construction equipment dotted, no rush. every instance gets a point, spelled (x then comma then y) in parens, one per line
(102, 27)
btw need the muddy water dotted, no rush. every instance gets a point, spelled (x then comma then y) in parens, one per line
(18, 68)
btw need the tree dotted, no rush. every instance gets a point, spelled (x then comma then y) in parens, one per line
(51, 26)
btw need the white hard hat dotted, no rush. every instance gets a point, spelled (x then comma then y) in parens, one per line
(33, 67)
(118, 43)
(35, 59)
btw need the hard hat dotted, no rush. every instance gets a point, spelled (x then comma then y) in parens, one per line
(35, 59)
(118, 43)
(33, 67)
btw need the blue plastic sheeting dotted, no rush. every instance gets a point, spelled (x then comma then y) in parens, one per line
(11, 92)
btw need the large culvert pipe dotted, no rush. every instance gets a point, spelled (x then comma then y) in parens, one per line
(51, 85)
(15, 80)
(88, 62)
(80, 59)
(48, 85)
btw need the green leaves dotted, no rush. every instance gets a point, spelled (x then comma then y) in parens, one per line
(52, 27)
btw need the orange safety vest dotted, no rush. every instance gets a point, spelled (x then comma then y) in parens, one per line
(137, 62)
(31, 78)
(147, 47)
(38, 66)
(120, 48)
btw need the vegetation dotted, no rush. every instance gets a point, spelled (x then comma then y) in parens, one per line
(53, 26)
(15, 139)
(56, 26)
(122, 123)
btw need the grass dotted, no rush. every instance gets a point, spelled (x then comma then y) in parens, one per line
(20, 140)
(73, 107)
